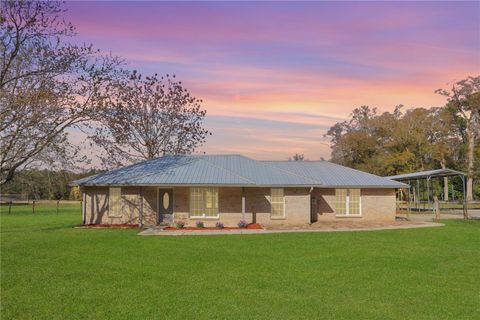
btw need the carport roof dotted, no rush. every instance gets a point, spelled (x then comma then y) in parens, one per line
(438, 173)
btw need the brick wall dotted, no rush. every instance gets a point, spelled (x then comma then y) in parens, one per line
(377, 205)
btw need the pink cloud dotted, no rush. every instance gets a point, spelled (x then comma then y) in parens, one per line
(306, 65)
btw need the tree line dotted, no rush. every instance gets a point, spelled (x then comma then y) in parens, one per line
(35, 184)
(417, 139)
(49, 85)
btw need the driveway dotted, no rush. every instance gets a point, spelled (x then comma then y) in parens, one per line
(451, 214)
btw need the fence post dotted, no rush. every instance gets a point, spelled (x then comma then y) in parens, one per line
(10, 207)
(57, 206)
(33, 208)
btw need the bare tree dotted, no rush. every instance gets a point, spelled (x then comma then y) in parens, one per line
(46, 84)
(147, 118)
(465, 98)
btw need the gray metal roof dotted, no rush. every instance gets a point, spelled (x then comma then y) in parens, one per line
(236, 170)
(333, 175)
(426, 174)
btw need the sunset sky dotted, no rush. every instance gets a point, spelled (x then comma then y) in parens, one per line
(275, 76)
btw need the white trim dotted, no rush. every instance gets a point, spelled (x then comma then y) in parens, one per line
(348, 216)
(205, 185)
(205, 217)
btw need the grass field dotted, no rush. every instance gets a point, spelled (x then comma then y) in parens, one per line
(50, 270)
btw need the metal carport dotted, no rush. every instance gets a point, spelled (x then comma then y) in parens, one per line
(427, 176)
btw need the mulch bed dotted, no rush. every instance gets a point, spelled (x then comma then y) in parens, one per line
(120, 226)
(251, 226)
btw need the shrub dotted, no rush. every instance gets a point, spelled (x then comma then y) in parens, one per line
(199, 224)
(180, 224)
(75, 194)
(242, 224)
(220, 225)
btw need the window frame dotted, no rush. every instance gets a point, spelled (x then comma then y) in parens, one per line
(272, 216)
(347, 203)
(113, 213)
(204, 203)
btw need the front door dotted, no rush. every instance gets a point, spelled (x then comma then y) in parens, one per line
(165, 206)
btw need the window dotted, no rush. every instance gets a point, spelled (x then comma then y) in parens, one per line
(115, 194)
(204, 202)
(277, 202)
(348, 202)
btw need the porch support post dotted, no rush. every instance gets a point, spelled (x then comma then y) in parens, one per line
(84, 207)
(140, 214)
(243, 203)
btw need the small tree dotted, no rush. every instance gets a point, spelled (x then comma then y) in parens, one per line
(75, 194)
(149, 117)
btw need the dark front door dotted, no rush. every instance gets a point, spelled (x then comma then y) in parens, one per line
(165, 206)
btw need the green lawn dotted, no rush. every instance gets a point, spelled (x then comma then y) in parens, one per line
(50, 270)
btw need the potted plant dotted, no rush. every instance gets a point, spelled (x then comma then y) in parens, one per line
(200, 224)
(219, 225)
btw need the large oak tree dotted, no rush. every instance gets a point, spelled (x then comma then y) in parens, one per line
(148, 117)
(464, 97)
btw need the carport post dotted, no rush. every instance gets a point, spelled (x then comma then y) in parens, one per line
(428, 192)
(465, 203)
(418, 195)
(408, 204)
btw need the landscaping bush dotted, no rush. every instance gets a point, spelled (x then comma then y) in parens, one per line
(180, 224)
(199, 224)
(219, 225)
(242, 224)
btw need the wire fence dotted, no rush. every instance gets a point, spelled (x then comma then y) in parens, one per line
(14, 198)
(40, 207)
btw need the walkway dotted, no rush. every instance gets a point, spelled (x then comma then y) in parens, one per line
(317, 227)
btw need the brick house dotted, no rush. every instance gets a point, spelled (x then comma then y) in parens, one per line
(229, 188)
